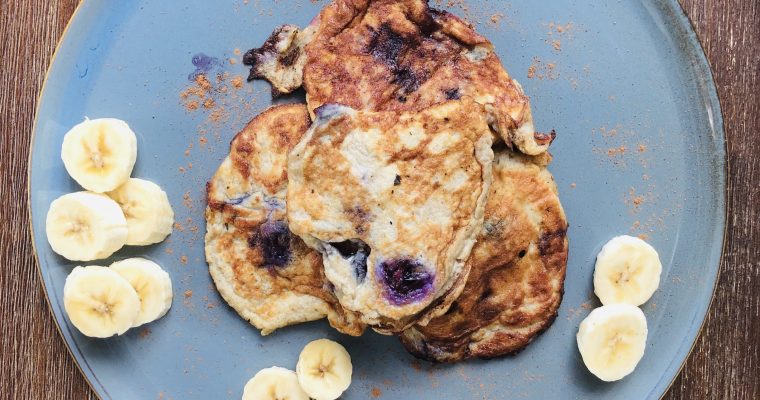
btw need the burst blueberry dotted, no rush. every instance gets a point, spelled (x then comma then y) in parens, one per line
(273, 239)
(405, 280)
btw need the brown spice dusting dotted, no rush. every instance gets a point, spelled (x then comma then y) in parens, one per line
(182, 169)
(203, 82)
(168, 250)
(183, 260)
(188, 294)
(642, 148)
(557, 45)
(236, 52)
(496, 18)
(541, 70)
(616, 152)
(237, 82)
(179, 227)
(192, 105)
(643, 236)
(233, 61)
(144, 333)
(573, 185)
(187, 200)
(416, 365)
(209, 103)
(376, 392)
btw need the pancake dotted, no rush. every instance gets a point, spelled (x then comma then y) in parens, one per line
(268, 275)
(517, 270)
(397, 55)
(393, 201)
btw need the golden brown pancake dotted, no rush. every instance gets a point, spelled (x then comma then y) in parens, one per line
(517, 270)
(263, 271)
(397, 55)
(393, 201)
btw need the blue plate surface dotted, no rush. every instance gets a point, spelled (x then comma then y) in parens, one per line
(640, 151)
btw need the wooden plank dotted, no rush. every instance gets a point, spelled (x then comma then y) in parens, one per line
(726, 359)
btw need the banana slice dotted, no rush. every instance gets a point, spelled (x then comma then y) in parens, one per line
(152, 284)
(324, 369)
(149, 215)
(612, 340)
(99, 302)
(274, 383)
(100, 153)
(85, 226)
(627, 271)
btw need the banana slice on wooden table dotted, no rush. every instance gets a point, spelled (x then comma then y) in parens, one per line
(85, 226)
(152, 284)
(99, 302)
(100, 153)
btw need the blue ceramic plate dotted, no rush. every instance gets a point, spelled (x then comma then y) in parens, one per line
(640, 151)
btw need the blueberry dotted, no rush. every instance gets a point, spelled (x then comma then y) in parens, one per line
(273, 238)
(238, 200)
(329, 111)
(357, 252)
(405, 280)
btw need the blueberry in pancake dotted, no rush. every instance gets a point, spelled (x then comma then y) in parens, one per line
(263, 271)
(397, 55)
(393, 202)
(517, 270)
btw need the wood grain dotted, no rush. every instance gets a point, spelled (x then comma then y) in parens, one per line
(725, 363)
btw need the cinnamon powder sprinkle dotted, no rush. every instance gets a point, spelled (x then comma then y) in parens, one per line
(188, 294)
(376, 392)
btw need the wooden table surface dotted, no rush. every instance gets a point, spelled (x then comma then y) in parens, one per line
(725, 363)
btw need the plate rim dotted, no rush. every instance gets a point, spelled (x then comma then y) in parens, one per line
(692, 45)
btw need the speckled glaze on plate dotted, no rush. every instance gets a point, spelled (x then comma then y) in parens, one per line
(640, 150)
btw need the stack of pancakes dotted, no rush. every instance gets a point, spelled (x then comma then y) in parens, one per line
(410, 194)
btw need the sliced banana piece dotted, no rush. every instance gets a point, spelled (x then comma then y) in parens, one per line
(627, 271)
(85, 226)
(100, 153)
(274, 383)
(149, 215)
(612, 340)
(324, 369)
(99, 302)
(152, 284)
